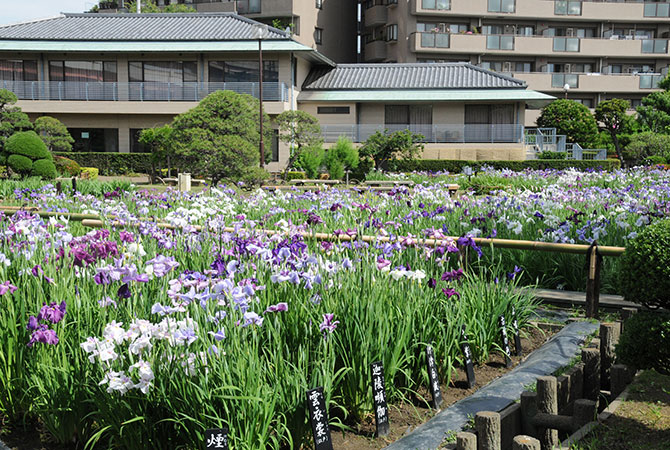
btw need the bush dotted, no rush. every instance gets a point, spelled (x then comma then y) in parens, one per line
(20, 164)
(365, 166)
(310, 160)
(571, 119)
(112, 163)
(645, 342)
(648, 146)
(27, 143)
(89, 173)
(341, 156)
(456, 166)
(295, 176)
(552, 155)
(645, 267)
(67, 166)
(44, 168)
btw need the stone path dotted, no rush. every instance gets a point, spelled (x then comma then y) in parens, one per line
(498, 394)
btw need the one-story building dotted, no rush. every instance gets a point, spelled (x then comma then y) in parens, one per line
(108, 76)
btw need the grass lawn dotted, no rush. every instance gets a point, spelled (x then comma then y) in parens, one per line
(642, 422)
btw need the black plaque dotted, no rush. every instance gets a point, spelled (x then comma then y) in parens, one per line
(74, 185)
(505, 341)
(318, 415)
(59, 187)
(379, 397)
(433, 377)
(216, 438)
(517, 337)
(467, 355)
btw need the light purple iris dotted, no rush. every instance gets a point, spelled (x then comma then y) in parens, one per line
(43, 335)
(7, 287)
(328, 324)
(277, 308)
(219, 335)
(251, 317)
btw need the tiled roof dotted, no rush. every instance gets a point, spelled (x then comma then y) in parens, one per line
(138, 27)
(408, 76)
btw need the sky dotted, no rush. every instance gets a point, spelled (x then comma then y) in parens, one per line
(12, 11)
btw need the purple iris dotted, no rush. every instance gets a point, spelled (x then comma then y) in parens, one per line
(453, 275)
(432, 282)
(7, 287)
(277, 308)
(450, 292)
(313, 219)
(43, 335)
(124, 291)
(328, 324)
(53, 312)
(512, 275)
(126, 237)
(33, 324)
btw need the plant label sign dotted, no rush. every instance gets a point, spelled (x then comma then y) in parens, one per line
(505, 341)
(318, 415)
(379, 396)
(434, 379)
(517, 337)
(467, 354)
(216, 438)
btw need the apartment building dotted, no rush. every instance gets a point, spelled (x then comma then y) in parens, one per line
(328, 26)
(108, 76)
(586, 51)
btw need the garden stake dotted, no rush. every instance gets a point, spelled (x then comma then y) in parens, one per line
(487, 424)
(74, 185)
(609, 337)
(466, 441)
(523, 442)
(594, 262)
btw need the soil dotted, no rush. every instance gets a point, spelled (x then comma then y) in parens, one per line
(406, 416)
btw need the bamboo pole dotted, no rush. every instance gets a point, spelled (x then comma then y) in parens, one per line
(70, 216)
(500, 243)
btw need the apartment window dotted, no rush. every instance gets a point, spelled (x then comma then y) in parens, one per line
(417, 118)
(332, 110)
(616, 68)
(318, 35)
(562, 44)
(435, 40)
(82, 71)
(319, 4)
(242, 71)
(391, 33)
(588, 102)
(500, 42)
(649, 81)
(657, 10)
(248, 6)
(655, 46)
(502, 6)
(567, 8)
(436, 4)
(523, 67)
(559, 80)
(18, 70)
(525, 30)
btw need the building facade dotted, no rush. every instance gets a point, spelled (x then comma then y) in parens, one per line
(108, 76)
(583, 50)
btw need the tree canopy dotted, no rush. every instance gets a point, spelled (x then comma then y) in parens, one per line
(12, 119)
(383, 147)
(572, 119)
(54, 134)
(300, 130)
(612, 114)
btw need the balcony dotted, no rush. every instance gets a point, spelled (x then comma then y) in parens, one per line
(567, 10)
(375, 51)
(591, 83)
(266, 8)
(376, 15)
(434, 40)
(445, 133)
(544, 45)
(138, 92)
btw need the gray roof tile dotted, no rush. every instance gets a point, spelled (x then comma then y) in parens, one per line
(138, 27)
(408, 76)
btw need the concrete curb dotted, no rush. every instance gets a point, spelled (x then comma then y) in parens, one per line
(500, 393)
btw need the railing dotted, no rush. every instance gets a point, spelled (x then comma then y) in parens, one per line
(445, 133)
(576, 152)
(434, 40)
(138, 91)
(544, 139)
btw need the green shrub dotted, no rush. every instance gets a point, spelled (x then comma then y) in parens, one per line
(456, 166)
(296, 176)
(552, 155)
(310, 160)
(645, 266)
(44, 168)
(645, 342)
(571, 119)
(365, 166)
(67, 166)
(27, 143)
(20, 164)
(112, 163)
(89, 173)
(648, 146)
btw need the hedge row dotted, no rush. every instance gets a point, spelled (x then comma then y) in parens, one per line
(112, 163)
(455, 166)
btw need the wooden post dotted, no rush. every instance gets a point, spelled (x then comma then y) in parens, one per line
(594, 262)
(618, 379)
(591, 360)
(487, 424)
(466, 441)
(523, 442)
(59, 187)
(577, 382)
(626, 313)
(74, 185)
(584, 412)
(609, 337)
(547, 402)
(528, 411)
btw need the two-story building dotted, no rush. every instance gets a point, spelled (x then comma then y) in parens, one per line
(108, 76)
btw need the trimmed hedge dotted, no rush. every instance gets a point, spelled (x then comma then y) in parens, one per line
(645, 342)
(29, 144)
(89, 173)
(44, 168)
(66, 166)
(455, 166)
(112, 163)
(20, 164)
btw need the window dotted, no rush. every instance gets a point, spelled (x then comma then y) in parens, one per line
(502, 6)
(655, 46)
(500, 42)
(274, 154)
(318, 35)
(435, 40)
(18, 70)
(391, 32)
(588, 102)
(162, 71)
(332, 110)
(523, 67)
(242, 71)
(82, 71)
(562, 44)
(657, 10)
(650, 81)
(319, 4)
(616, 68)
(248, 6)
(567, 8)
(559, 80)
(135, 145)
(417, 118)
(95, 139)
(436, 4)
(490, 123)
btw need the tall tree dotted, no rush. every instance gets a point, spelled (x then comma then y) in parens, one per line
(300, 130)
(12, 119)
(384, 147)
(654, 113)
(54, 134)
(612, 114)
